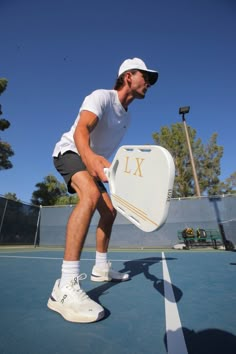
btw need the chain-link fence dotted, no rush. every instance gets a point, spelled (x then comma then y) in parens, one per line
(23, 224)
(217, 213)
(19, 223)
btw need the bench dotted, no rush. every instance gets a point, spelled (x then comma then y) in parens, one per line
(211, 238)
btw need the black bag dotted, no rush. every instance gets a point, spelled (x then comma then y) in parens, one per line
(201, 233)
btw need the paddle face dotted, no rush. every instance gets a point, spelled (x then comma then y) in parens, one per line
(141, 180)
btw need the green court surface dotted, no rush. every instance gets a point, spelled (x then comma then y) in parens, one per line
(176, 302)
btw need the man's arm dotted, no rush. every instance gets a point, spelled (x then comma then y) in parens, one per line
(95, 163)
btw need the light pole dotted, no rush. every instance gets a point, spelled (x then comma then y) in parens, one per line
(183, 111)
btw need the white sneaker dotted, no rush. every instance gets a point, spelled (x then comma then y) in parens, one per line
(73, 303)
(107, 274)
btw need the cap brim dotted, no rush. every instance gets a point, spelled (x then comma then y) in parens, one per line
(153, 77)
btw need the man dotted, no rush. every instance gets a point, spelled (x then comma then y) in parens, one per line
(80, 157)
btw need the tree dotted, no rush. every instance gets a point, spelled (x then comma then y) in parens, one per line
(51, 192)
(11, 196)
(206, 158)
(5, 149)
(229, 186)
(48, 191)
(67, 200)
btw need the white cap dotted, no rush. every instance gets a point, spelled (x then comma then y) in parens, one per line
(138, 64)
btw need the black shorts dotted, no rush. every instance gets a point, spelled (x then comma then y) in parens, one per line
(68, 164)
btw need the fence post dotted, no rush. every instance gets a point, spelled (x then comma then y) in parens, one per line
(3, 215)
(37, 226)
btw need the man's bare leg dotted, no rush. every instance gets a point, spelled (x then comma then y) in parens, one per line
(102, 270)
(67, 297)
(80, 217)
(107, 217)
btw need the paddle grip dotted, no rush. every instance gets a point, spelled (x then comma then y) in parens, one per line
(106, 171)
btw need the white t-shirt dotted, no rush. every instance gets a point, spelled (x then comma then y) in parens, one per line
(108, 133)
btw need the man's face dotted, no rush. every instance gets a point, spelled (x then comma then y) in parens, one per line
(139, 83)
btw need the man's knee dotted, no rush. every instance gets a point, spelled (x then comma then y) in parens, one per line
(86, 189)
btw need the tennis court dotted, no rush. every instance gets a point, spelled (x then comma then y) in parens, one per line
(176, 302)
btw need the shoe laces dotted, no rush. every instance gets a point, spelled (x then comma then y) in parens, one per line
(74, 286)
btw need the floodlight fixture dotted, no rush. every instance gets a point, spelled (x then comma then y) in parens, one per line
(184, 110)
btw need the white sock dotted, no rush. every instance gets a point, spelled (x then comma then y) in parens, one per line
(69, 270)
(101, 259)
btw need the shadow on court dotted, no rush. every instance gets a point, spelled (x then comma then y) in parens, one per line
(134, 268)
(208, 341)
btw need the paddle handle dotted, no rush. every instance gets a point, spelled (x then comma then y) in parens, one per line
(107, 172)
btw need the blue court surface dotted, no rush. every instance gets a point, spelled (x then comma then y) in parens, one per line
(176, 302)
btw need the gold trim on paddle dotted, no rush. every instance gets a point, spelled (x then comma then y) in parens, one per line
(133, 208)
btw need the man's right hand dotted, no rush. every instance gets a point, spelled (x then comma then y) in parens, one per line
(95, 165)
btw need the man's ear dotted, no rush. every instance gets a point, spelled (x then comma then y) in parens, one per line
(128, 77)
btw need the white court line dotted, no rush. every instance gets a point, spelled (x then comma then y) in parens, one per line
(29, 257)
(175, 337)
(61, 258)
(83, 259)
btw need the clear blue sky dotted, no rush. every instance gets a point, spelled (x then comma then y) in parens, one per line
(55, 52)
